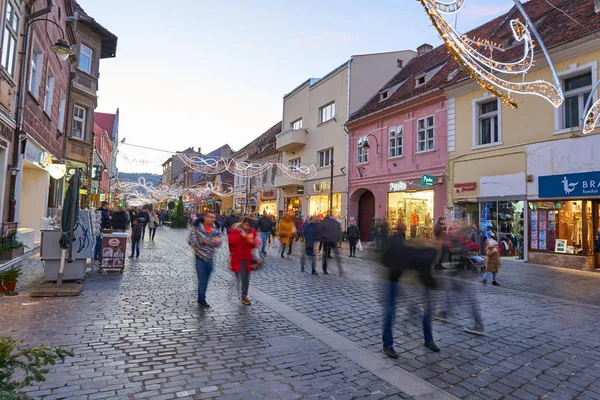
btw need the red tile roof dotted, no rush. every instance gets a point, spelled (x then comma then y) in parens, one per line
(105, 122)
(554, 27)
(263, 144)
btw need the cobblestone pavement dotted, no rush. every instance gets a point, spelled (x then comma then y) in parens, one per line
(140, 334)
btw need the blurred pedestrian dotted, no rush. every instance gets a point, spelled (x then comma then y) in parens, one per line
(311, 234)
(285, 231)
(265, 226)
(204, 239)
(330, 232)
(153, 224)
(231, 220)
(120, 219)
(439, 231)
(398, 257)
(353, 237)
(146, 216)
(492, 265)
(243, 238)
(136, 236)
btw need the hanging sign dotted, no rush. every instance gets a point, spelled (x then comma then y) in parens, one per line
(427, 180)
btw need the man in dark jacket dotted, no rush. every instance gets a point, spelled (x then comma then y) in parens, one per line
(398, 257)
(104, 224)
(311, 235)
(144, 214)
(330, 234)
(265, 227)
(231, 220)
(353, 237)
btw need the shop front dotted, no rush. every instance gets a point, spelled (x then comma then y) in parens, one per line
(268, 202)
(564, 223)
(413, 204)
(319, 192)
(318, 205)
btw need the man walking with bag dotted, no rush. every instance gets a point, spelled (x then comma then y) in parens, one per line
(265, 226)
(353, 237)
(330, 234)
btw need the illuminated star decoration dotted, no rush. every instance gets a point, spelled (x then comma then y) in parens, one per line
(482, 68)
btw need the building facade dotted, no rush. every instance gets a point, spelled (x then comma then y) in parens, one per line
(109, 124)
(313, 131)
(528, 177)
(398, 149)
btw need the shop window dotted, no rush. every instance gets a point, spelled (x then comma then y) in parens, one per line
(561, 227)
(396, 141)
(425, 135)
(577, 89)
(319, 205)
(415, 210)
(503, 222)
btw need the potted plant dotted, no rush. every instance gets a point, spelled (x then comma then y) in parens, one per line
(8, 280)
(11, 247)
(20, 368)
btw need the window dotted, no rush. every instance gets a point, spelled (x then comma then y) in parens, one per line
(85, 59)
(488, 132)
(383, 96)
(363, 154)
(78, 122)
(36, 72)
(327, 112)
(577, 90)
(396, 141)
(61, 114)
(11, 34)
(49, 93)
(297, 124)
(425, 139)
(421, 80)
(325, 158)
(295, 162)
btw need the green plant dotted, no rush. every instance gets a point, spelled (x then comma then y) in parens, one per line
(171, 205)
(179, 221)
(10, 243)
(29, 365)
(11, 275)
(180, 209)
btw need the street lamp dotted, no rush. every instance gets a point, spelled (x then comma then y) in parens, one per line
(366, 144)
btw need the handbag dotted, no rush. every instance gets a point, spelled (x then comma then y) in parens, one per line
(257, 259)
(359, 246)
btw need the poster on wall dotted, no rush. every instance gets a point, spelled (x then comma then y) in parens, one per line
(534, 215)
(551, 216)
(534, 244)
(542, 236)
(560, 246)
(542, 244)
(543, 225)
(534, 225)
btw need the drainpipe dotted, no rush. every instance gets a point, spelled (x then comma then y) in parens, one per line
(347, 149)
(15, 181)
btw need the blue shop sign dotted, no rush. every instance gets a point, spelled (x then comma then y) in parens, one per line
(569, 185)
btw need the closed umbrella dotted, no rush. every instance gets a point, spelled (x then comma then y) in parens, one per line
(70, 214)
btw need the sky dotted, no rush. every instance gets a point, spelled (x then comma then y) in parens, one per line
(208, 73)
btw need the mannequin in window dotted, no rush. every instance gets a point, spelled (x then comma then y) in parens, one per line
(414, 224)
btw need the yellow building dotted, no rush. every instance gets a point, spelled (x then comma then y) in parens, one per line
(528, 177)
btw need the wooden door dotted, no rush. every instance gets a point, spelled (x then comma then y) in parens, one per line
(366, 213)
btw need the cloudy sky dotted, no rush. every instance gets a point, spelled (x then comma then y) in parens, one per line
(205, 73)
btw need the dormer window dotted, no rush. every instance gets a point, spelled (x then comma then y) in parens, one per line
(421, 80)
(383, 95)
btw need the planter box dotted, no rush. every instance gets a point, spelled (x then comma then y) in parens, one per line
(7, 287)
(12, 254)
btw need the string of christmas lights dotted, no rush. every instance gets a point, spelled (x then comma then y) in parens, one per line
(480, 67)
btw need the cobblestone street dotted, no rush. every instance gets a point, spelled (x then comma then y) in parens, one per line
(140, 334)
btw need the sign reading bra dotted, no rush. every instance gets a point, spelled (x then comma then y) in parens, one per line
(584, 184)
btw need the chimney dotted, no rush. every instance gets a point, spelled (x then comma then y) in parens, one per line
(597, 6)
(426, 48)
(400, 63)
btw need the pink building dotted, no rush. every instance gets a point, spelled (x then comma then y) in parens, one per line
(400, 174)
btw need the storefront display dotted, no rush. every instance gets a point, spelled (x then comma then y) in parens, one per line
(269, 206)
(293, 205)
(503, 222)
(319, 205)
(415, 209)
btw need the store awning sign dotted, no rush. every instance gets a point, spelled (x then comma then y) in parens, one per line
(465, 187)
(427, 180)
(322, 187)
(398, 186)
(569, 185)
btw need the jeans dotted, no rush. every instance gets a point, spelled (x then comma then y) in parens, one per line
(204, 269)
(487, 273)
(456, 288)
(152, 233)
(98, 248)
(244, 275)
(283, 246)
(264, 236)
(144, 231)
(353, 243)
(310, 253)
(336, 253)
(135, 248)
(390, 313)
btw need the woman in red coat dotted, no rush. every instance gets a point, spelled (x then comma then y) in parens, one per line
(242, 240)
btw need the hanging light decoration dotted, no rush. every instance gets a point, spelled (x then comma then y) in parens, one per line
(482, 68)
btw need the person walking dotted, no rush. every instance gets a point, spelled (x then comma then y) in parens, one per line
(152, 225)
(265, 226)
(242, 240)
(492, 265)
(353, 237)
(204, 239)
(439, 230)
(120, 219)
(132, 214)
(161, 218)
(398, 257)
(231, 220)
(285, 231)
(136, 237)
(144, 214)
(330, 233)
(105, 223)
(311, 235)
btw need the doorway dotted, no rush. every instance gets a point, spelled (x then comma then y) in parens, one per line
(366, 213)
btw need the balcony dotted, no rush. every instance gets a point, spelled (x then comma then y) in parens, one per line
(282, 181)
(291, 140)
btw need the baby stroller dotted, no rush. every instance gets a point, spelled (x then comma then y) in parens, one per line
(472, 260)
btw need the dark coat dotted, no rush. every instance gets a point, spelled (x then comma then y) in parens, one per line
(311, 233)
(265, 224)
(401, 255)
(105, 222)
(330, 230)
(353, 232)
(120, 220)
(231, 220)
(136, 232)
(145, 215)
